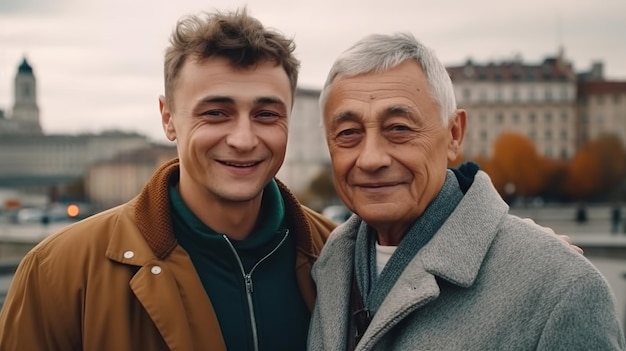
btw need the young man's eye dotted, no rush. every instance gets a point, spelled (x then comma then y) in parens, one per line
(267, 114)
(214, 113)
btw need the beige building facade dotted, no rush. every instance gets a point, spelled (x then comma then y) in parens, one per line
(116, 180)
(538, 101)
(602, 110)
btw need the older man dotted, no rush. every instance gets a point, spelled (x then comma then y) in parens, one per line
(432, 260)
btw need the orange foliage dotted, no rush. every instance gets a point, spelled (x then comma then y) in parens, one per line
(596, 169)
(516, 161)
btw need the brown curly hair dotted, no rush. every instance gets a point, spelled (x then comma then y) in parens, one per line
(236, 36)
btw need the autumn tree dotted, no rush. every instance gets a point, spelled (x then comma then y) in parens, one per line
(517, 165)
(598, 168)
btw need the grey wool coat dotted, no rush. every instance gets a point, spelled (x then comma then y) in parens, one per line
(487, 280)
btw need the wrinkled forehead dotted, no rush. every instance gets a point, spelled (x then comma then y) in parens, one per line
(405, 85)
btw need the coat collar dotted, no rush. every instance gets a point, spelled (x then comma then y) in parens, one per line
(455, 254)
(152, 215)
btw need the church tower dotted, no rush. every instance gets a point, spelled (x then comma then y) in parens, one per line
(25, 110)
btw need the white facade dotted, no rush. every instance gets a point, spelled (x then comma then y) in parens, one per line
(538, 101)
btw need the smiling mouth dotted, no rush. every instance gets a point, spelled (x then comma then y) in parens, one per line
(378, 185)
(239, 165)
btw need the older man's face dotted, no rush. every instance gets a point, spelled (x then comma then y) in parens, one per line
(388, 146)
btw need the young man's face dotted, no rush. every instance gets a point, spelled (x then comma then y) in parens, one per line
(230, 125)
(388, 145)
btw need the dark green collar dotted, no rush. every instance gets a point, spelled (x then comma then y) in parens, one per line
(269, 222)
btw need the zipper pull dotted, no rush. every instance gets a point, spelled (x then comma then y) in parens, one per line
(248, 280)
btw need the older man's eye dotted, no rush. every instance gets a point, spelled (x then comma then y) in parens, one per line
(399, 127)
(347, 132)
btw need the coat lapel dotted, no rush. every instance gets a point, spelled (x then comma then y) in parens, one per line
(177, 314)
(415, 288)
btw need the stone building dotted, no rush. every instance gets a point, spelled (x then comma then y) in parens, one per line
(116, 180)
(537, 100)
(602, 109)
(37, 163)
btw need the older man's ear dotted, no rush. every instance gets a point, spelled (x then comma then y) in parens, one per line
(456, 128)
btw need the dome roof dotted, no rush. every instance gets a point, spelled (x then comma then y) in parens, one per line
(25, 67)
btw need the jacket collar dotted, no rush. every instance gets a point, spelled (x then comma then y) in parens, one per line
(153, 219)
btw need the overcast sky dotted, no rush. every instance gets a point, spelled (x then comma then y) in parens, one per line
(98, 63)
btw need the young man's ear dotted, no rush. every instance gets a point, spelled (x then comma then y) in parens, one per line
(166, 119)
(456, 128)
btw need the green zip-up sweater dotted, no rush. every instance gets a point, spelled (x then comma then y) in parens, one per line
(271, 302)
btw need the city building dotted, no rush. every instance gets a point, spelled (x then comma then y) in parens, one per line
(25, 117)
(307, 153)
(114, 181)
(34, 162)
(537, 100)
(602, 109)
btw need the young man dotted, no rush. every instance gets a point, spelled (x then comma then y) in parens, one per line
(432, 260)
(214, 253)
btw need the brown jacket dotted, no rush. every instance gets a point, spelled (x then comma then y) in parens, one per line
(119, 281)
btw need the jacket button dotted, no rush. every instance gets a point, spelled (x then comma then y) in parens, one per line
(129, 254)
(155, 270)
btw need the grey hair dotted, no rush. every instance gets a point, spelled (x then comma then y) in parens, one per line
(380, 53)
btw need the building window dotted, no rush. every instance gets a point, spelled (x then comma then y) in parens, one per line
(548, 95)
(531, 95)
(532, 117)
(564, 134)
(617, 99)
(483, 95)
(564, 155)
(547, 117)
(564, 117)
(533, 135)
(26, 90)
(515, 95)
(548, 134)
(515, 118)
(483, 135)
(500, 118)
(564, 94)
(600, 100)
(584, 118)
